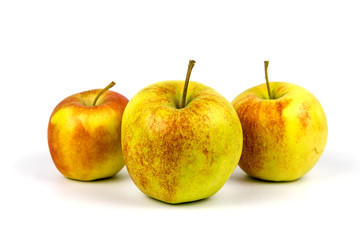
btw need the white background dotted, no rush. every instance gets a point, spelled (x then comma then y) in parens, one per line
(52, 49)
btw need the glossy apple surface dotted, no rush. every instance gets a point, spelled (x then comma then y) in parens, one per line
(178, 154)
(284, 137)
(85, 140)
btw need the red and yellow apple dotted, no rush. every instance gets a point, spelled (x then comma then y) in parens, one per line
(180, 151)
(284, 134)
(84, 134)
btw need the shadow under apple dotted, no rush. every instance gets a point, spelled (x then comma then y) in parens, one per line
(240, 190)
(117, 190)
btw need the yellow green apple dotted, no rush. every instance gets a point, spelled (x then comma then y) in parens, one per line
(84, 134)
(284, 129)
(181, 142)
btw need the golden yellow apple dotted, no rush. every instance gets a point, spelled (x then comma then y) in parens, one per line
(84, 134)
(284, 134)
(180, 149)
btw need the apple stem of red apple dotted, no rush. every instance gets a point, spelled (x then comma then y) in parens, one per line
(267, 78)
(102, 91)
(190, 67)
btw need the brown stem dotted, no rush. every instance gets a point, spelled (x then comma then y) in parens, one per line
(102, 91)
(190, 67)
(267, 78)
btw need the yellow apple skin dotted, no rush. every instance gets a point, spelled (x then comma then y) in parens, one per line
(180, 155)
(284, 137)
(84, 140)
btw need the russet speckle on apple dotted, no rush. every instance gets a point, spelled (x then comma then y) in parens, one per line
(84, 134)
(181, 142)
(284, 129)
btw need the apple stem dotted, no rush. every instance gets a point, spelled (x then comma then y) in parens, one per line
(102, 91)
(267, 78)
(190, 67)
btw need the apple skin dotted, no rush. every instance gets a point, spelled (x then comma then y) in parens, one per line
(180, 155)
(284, 137)
(84, 140)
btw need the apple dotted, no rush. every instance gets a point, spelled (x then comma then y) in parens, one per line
(180, 150)
(84, 134)
(284, 128)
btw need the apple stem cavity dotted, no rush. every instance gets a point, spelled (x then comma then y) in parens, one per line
(267, 78)
(190, 67)
(102, 91)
